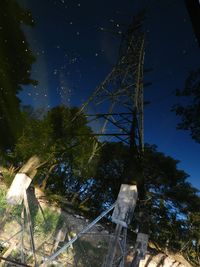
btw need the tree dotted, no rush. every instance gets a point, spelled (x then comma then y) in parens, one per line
(189, 111)
(169, 202)
(108, 176)
(191, 249)
(16, 60)
(65, 145)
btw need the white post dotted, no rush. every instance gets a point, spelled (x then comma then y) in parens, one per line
(122, 215)
(22, 181)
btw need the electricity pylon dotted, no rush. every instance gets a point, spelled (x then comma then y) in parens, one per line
(121, 95)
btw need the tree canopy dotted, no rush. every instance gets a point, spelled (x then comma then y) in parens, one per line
(171, 202)
(189, 109)
(16, 60)
(65, 146)
(63, 143)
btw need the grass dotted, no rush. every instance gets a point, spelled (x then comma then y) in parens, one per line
(47, 223)
(3, 204)
(8, 175)
(42, 224)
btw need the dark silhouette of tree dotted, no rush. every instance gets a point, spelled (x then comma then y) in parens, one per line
(16, 60)
(191, 246)
(171, 199)
(189, 109)
(193, 8)
(65, 145)
(169, 202)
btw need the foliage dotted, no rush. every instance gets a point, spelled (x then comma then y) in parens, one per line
(47, 223)
(63, 143)
(43, 223)
(189, 110)
(191, 249)
(16, 60)
(8, 175)
(2, 202)
(14, 211)
(169, 201)
(108, 176)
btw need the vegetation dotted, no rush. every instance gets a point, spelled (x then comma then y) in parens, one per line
(43, 223)
(189, 110)
(64, 145)
(171, 205)
(16, 60)
(2, 202)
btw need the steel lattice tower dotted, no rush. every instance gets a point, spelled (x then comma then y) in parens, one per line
(121, 92)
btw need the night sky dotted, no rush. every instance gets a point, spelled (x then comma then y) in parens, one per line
(74, 55)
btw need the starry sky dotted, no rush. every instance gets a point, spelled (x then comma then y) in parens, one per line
(76, 46)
